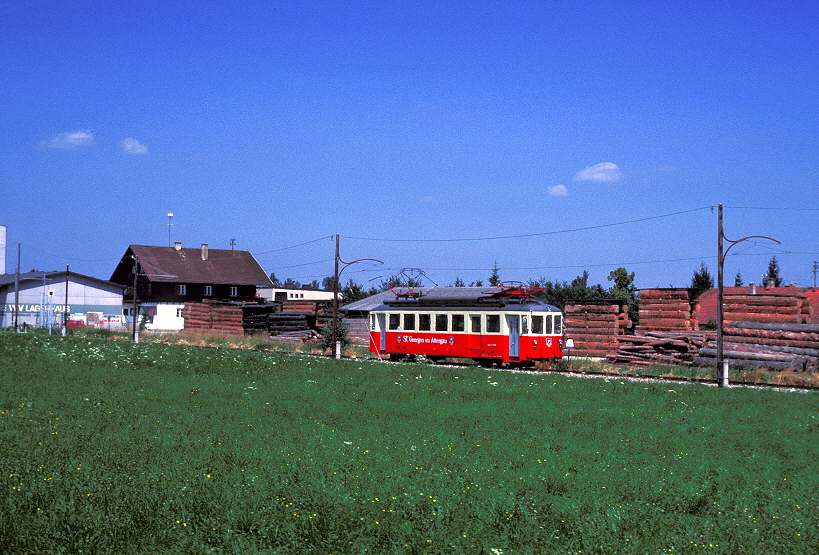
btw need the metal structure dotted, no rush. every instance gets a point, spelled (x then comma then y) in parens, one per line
(337, 276)
(722, 366)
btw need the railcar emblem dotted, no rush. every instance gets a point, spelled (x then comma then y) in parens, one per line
(548, 341)
(451, 340)
(400, 338)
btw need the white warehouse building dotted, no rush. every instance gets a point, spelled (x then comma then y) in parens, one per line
(42, 299)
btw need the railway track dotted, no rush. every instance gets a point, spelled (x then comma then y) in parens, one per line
(635, 377)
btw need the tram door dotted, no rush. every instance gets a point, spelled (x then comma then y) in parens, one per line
(513, 323)
(382, 326)
(474, 334)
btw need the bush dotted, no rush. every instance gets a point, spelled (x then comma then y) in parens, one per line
(341, 335)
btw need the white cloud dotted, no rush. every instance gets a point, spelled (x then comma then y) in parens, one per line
(132, 146)
(71, 140)
(558, 191)
(602, 173)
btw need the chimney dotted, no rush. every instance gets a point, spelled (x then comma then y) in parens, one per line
(752, 288)
(178, 245)
(204, 251)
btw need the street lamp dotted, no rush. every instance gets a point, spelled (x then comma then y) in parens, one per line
(336, 344)
(722, 366)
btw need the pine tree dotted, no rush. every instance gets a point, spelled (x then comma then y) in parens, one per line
(495, 279)
(738, 280)
(772, 279)
(701, 281)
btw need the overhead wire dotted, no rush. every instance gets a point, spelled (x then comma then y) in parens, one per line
(541, 234)
(525, 235)
(296, 246)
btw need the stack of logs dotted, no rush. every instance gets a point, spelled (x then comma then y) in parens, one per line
(665, 310)
(213, 316)
(665, 334)
(321, 311)
(296, 337)
(595, 327)
(647, 348)
(780, 346)
(269, 320)
(789, 309)
(255, 317)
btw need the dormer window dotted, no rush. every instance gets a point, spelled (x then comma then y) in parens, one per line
(234, 291)
(208, 290)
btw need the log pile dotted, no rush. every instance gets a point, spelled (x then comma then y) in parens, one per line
(271, 320)
(790, 309)
(665, 310)
(296, 337)
(255, 317)
(595, 327)
(647, 348)
(778, 346)
(321, 310)
(213, 316)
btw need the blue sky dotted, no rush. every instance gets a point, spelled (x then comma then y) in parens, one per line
(547, 137)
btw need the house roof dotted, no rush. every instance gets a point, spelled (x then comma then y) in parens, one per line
(192, 265)
(37, 277)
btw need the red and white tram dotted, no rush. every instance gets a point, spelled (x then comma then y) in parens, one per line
(504, 324)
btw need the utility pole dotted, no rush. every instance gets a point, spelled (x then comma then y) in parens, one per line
(337, 275)
(65, 306)
(134, 332)
(722, 366)
(336, 347)
(17, 291)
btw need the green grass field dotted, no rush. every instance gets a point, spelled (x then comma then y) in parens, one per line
(111, 447)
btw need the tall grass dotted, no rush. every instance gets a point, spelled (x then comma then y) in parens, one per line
(110, 447)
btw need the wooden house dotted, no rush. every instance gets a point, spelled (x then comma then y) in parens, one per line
(168, 277)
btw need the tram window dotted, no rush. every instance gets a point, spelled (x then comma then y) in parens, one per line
(458, 322)
(424, 322)
(441, 323)
(476, 323)
(547, 329)
(409, 321)
(395, 321)
(372, 322)
(537, 324)
(493, 323)
(558, 323)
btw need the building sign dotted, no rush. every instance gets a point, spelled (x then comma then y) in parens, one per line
(27, 308)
